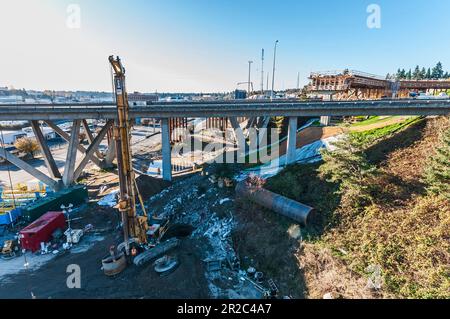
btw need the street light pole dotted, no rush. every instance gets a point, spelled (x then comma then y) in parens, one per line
(249, 76)
(273, 71)
(262, 72)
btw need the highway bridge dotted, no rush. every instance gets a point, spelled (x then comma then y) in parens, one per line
(74, 111)
(79, 113)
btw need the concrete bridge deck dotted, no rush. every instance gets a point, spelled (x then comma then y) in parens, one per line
(10, 112)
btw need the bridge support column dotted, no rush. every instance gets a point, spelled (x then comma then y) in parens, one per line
(55, 185)
(90, 137)
(292, 141)
(166, 150)
(48, 157)
(238, 131)
(110, 155)
(91, 150)
(263, 122)
(71, 158)
(67, 138)
(325, 120)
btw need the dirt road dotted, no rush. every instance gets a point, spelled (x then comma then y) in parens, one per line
(49, 281)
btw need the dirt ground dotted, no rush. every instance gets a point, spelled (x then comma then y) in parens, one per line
(49, 281)
(134, 282)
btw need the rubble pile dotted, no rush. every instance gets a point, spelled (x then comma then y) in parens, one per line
(208, 208)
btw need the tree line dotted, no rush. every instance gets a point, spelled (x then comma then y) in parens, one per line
(435, 73)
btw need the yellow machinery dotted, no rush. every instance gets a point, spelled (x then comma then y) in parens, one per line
(10, 249)
(23, 192)
(134, 227)
(20, 195)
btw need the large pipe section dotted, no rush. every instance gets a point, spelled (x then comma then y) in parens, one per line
(277, 203)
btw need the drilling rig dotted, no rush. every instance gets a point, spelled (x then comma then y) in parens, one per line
(135, 227)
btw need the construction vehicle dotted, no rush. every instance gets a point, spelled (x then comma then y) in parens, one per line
(136, 245)
(133, 226)
(10, 249)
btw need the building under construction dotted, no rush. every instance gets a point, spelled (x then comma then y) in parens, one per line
(356, 85)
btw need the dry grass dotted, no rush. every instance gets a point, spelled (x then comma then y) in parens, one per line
(326, 274)
(405, 232)
(409, 163)
(411, 245)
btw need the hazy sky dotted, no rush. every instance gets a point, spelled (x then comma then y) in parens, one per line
(205, 45)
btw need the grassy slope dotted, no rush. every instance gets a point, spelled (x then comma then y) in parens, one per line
(406, 233)
(372, 120)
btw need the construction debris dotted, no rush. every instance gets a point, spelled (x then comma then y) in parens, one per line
(73, 235)
(109, 200)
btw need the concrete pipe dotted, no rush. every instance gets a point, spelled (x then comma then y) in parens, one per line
(113, 266)
(277, 203)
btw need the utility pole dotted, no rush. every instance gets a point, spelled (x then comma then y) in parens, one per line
(249, 76)
(267, 85)
(273, 71)
(298, 81)
(262, 72)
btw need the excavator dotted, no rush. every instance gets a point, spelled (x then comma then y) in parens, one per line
(136, 227)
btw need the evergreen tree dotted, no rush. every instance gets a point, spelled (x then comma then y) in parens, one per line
(423, 74)
(428, 75)
(402, 74)
(437, 175)
(348, 166)
(438, 71)
(409, 75)
(416, 74)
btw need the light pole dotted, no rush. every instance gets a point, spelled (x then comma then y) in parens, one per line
(249, 76)
(273, 71)
(67, 210)
(262, 72)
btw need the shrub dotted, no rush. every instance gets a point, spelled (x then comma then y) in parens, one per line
(27, 145)
(348, 167)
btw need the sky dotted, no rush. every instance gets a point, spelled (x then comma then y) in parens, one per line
(205, 45)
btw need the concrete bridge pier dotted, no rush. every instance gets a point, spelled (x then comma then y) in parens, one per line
(46, 153)
(110, 155)
(69, 168)
(166, 150)
(72, 171)
(292, 140)
(325, 120)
